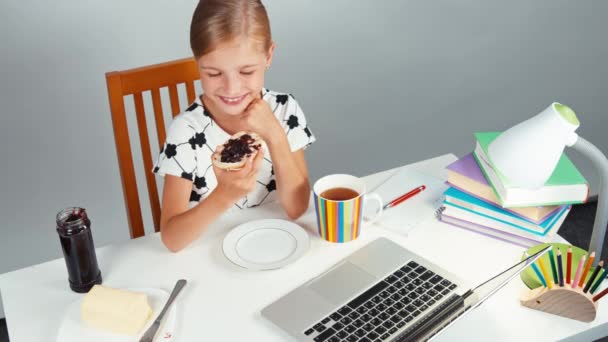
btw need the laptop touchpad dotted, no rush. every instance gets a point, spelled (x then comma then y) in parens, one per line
(342, 283)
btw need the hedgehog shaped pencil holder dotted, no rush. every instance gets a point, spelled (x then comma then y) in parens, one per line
(563, 282)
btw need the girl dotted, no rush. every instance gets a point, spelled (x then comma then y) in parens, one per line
(231, 42)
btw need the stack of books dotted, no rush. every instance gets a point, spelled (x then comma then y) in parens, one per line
(480, 199)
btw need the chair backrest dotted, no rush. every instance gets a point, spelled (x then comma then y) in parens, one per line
(135, 82)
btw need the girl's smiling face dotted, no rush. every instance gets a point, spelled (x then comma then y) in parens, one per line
(232, 75)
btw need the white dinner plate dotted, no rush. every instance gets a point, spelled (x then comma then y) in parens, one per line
(265, 244)
(73, 329)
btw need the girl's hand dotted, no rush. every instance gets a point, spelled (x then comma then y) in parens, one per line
(260, 119)
(234, 185)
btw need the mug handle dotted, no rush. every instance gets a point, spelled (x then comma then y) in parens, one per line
(373, 197)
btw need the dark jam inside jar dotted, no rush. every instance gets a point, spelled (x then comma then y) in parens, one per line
(74, 229)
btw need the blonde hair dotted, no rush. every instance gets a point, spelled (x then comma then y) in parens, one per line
(218, 21)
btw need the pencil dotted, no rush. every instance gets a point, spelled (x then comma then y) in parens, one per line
(579, 270)
(600, 295)
(537, 271)
(587, 267)
(559, 268)
(544, 270)
(569, 266)
(553, 270)
(593, 276)
(599, 281)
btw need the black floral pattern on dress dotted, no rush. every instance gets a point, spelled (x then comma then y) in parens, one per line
(292, 122)
(272, 186)
(198, 139)
(308, 132)
(155, 169)
(170, 151)
(200, 182)
(187, 175)
(194, 197)
(192, 107)
(282, 99)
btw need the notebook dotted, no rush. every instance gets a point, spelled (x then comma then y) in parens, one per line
(465, 214)
(493, 233)
(464, 200)
(414, 211)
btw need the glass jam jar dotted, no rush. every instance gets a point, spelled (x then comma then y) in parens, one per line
(74, 229)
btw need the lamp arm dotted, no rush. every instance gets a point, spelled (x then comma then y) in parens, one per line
(600, 162)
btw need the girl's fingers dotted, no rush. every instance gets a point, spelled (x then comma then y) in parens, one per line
(257, 161)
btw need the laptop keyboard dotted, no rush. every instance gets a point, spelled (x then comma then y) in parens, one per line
(383, 309)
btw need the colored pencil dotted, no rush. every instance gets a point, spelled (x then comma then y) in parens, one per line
(587, 267)
(559, 268)
(599, 281)
(537, 271)
(579, 270)
(593, 276)
(553, 270)
(544, 270)
(600, 295)
(569, 266)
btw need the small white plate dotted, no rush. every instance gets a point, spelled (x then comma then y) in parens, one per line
(73, 329)
(265, 244)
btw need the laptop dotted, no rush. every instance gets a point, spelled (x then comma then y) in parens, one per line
(381, 292)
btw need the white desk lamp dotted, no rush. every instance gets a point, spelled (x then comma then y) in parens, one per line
(527, 153)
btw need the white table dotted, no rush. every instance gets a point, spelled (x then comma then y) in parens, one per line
(222, 302)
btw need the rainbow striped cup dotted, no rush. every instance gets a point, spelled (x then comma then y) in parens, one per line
(339, 201)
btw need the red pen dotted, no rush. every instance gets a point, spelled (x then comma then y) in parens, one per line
(402, 198)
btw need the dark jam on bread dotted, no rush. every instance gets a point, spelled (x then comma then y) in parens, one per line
(236, 149)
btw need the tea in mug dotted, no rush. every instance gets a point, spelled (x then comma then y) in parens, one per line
(339, 194)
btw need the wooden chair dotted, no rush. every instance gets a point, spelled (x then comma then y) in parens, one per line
(135, 82)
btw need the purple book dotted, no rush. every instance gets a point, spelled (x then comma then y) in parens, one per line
(467, 167)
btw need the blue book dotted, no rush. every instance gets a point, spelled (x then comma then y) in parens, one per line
(500, 216)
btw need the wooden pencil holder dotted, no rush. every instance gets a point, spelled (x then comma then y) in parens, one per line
(562, 301)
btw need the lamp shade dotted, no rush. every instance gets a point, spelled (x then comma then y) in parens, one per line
(527, 153)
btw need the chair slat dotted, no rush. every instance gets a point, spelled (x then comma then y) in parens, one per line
(190, 91)
(158, 115)
(135, 82)
(125, 158)
(174, 99)
(147, 158)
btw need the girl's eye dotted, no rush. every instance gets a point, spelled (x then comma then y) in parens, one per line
(247, 72)
(214, 75)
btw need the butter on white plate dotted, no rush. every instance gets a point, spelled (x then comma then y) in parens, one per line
(73, 328)
(115, 310)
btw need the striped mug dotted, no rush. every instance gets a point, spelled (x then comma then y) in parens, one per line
(339, 201)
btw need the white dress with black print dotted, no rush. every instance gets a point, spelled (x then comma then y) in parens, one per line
(193, 137)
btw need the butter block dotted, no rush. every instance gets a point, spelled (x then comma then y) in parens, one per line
(115, 310)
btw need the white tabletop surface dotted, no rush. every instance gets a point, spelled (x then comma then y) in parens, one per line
(222, 302)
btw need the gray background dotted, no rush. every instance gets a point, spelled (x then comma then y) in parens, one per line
(383, 83)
